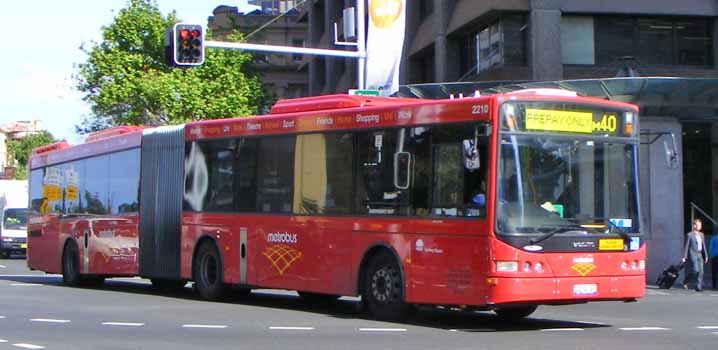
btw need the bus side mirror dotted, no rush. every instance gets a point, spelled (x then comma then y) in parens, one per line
(471, 155)
(402, 170)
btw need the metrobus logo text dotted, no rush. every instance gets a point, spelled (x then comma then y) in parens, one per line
(282, 237)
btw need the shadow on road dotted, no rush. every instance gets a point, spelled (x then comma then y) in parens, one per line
(344, 308)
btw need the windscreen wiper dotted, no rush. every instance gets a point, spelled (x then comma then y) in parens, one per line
(621, 232)
(556, 229)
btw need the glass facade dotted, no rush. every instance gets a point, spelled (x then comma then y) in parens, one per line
(683, 41)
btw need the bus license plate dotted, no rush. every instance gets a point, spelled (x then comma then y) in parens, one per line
(585, 289)
(23, 246)
(610, 244)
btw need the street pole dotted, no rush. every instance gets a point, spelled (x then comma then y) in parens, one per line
(361, 44)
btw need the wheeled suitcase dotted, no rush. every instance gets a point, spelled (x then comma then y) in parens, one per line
(669, 276)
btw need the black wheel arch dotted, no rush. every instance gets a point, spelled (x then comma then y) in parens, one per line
(206, 238)
(371, 251)
(69, 240)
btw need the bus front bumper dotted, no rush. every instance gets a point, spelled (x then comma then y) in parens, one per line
(564, 290)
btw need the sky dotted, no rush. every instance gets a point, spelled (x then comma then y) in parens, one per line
(42, 48)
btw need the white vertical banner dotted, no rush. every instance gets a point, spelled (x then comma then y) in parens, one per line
(387, 23)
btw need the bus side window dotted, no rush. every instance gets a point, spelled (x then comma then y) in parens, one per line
(276, 174)
(376, 190)
(459, 156)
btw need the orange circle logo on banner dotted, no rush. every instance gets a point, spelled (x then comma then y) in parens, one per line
(384, 13)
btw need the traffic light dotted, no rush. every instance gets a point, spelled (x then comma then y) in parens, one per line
(187, 45)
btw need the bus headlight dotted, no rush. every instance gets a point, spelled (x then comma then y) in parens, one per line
(642, 264)
(527, 267)
(538, 267)
(7, 239)
(507, 266)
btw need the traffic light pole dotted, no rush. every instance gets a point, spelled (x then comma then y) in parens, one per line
(283, 49)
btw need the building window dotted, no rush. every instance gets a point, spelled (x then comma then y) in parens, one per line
(502, 42)
(297, 43)
(577, 42)
(654, 40)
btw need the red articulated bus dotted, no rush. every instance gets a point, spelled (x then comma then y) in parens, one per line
(503, 202)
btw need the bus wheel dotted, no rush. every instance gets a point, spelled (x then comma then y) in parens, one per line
(511, 313)
(71, 266)
(168, 285)
(318, 298)
(384, 289)
(208, 277)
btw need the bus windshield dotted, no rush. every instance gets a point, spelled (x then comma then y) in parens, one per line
(558, 183)
(15, 219)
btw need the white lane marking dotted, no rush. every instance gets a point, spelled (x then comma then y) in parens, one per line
(382, 329)
(561, 329)
(714, 295)
(3, 267)
(216, 326)
(3, 341)
(2, 316)
(128, 324)
(28, 346)
(284, 328)
(644, 329)
(49, 320)
(707, 327)
(31, 276)
(25, 284)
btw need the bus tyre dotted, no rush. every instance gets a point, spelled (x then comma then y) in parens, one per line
(384, 289)
(208, 276)
(318, 298)
(71, 266)
(511, 313)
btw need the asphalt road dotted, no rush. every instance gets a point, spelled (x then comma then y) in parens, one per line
(36, 312)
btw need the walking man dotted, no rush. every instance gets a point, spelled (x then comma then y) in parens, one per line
(695, 255)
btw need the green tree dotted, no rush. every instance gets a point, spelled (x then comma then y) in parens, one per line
(20, 149)
(127, 82)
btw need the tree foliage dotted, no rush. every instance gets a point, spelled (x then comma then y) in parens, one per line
(126, 81)
(20, 149)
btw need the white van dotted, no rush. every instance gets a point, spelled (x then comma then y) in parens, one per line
(13, 217)
(13, 233)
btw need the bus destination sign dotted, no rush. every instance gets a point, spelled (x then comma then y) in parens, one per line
(571, 121)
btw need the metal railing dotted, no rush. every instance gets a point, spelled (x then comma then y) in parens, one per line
(695, 208)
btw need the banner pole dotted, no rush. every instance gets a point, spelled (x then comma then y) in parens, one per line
(361, 41)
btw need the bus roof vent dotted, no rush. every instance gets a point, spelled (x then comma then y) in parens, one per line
(327, 102)
(51, 148)
(546, 92)
(105, 134)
